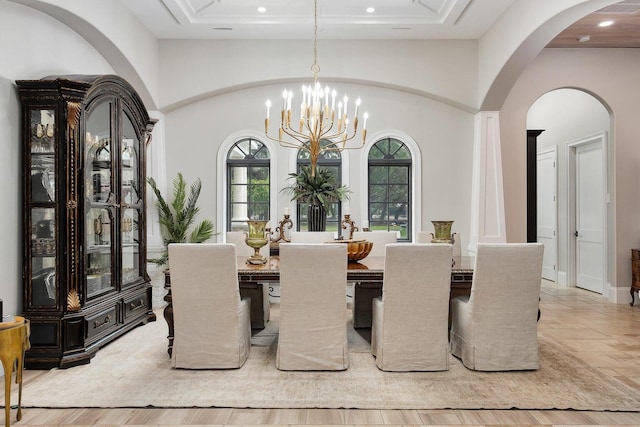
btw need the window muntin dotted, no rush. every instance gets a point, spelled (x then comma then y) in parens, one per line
(248, 176)
(389, 177)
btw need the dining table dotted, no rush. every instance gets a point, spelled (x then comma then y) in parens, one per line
(367, 276)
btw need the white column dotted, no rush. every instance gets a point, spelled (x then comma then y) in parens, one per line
(156, 168)
(487, 196)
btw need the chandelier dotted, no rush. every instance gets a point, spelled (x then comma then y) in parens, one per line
(320, 127)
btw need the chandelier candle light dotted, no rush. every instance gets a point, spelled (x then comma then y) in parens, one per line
(320, 128)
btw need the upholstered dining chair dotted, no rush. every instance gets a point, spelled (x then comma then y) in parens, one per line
(258, 292)
(379, 239)
(312, 236)
(495, 328)
(364, 293)
(242, 249)
(313, 309)
(411, 320)
(426, 236)
(212, 327)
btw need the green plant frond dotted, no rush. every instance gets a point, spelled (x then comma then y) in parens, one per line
(164, 259)
(202, 232)
(165, 216)
(190, 208)
(179, 195)
(176, 218)
(319, 189)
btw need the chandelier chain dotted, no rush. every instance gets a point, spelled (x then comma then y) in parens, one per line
(315, 67)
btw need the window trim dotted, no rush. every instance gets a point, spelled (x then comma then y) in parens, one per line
(246, 163)
(416, 172)
(222, 178)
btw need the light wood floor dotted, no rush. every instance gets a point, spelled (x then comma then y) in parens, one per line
(602, 335)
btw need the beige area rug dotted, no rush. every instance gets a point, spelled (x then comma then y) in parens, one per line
(134, 371)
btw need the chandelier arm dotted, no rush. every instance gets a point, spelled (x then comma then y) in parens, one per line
(341, 137)
(298, 136)
(326, 129)
(339, 149)
(284, 143)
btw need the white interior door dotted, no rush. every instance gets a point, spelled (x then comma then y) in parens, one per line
(547, 218)
(589, 216)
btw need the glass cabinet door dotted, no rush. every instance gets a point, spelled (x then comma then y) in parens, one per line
(43, 257)
(130, 246)
(42, 212)
(131, 179)
(98, 179)
(100, 205)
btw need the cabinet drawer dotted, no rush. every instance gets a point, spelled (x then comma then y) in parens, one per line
(102, 322)
(135, 306)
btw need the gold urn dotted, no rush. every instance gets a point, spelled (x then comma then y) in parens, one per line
(256, 238)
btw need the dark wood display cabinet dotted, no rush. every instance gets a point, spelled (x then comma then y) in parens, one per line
(85, 278)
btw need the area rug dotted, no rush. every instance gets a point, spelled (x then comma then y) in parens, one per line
(135, 371)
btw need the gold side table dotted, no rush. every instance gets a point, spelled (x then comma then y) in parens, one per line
(14, 341)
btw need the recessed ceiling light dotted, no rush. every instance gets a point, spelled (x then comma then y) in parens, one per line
(371, 9)
(605, 23)
(262, 9)
(584, 39)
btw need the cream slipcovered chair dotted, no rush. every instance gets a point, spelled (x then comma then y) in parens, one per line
(379, 239)
(364, 293)
(425, 237)
(212, 328)
(242, 249)
(495, 329)
(313, 309)
(410, 320)
(312, 236)
(258, 292)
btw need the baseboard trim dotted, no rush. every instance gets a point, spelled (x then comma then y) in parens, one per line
(562, 278)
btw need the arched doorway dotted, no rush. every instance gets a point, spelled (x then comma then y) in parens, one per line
(572, 186)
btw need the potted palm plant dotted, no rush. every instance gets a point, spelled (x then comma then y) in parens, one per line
(317, 191)
(176, 217)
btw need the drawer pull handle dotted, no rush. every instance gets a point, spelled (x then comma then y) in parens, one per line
(135, 306)
(97, 324)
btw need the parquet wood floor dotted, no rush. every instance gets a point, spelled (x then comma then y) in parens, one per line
(602, 335)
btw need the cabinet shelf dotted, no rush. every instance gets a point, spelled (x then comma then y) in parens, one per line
(101, 165)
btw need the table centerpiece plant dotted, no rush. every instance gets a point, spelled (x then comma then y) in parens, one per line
(318, 192)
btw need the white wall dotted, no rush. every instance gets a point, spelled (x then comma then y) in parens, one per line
(519, 34)
(108, 26)
(47, 48)
(195, 69)
(609, 74)
(566, 115)
(444, 135)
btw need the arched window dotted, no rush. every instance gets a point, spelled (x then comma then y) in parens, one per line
(248, 195)
(331, 160)
(389, 177)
